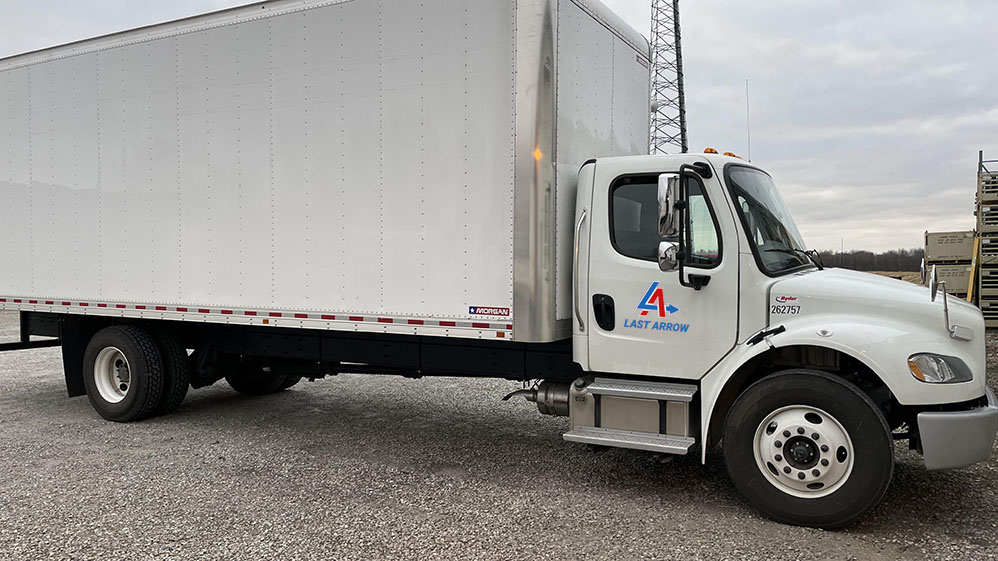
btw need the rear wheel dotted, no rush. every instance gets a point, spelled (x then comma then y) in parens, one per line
(808, 448)
(123, 373)
(176, 372)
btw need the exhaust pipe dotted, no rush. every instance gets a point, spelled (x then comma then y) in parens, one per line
(551, 397)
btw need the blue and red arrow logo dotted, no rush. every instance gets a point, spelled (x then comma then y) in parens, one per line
(654, 300)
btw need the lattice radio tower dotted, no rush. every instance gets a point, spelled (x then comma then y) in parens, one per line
(668, 124)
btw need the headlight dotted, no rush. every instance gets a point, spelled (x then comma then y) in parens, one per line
(938, 369)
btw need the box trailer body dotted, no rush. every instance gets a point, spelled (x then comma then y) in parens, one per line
(307, 188)
(349, 165)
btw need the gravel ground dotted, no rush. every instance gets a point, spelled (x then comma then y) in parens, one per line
(358, 467)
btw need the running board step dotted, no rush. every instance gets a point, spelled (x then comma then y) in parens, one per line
(628, 439)
(642, 390)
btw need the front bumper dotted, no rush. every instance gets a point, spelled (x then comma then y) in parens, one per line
(953, 439)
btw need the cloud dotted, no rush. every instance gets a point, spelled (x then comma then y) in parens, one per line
(869, 114)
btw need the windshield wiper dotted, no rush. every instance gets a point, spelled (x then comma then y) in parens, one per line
(811, 255)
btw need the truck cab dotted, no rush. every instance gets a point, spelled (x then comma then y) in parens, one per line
(700, 317)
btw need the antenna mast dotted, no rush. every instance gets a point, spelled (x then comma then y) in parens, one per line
(668, 124)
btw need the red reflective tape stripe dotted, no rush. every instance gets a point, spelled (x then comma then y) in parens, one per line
(140, 307)
(416, 322)
(204, 311)
(32, 301)
(480, 325)
(226, 312)
(509, 326)
(275, 314)
(181, 309)
(356, 318)
(448, 324)
(101, 305)
(328, 317)
(160, 308)
(18, 301)
(84, 304)
(3, 299)
(49, 302)
(386, 320)
(64, 303)
(249, 313)
(120, 306)
(301, 316)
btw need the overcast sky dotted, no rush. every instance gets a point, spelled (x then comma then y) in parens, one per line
(870, 115)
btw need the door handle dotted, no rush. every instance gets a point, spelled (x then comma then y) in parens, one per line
(603, 311)
(575, 270)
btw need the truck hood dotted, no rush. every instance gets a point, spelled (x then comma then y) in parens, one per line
(842, 291)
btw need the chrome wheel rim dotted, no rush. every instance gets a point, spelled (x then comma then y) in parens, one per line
(112, 375)
(803, 451)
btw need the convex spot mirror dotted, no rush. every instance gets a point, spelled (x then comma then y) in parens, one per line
(668, 256)
(668, 196)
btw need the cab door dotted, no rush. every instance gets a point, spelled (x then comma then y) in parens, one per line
(643, 320)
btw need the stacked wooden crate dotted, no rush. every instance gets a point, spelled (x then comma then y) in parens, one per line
(952, 254)
(987, 226)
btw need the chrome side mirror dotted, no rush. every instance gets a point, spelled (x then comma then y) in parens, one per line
(668, 256)
(922, 271)
(933, 284)
(668, 195)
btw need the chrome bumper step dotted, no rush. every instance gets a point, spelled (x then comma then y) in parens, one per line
(628, 439)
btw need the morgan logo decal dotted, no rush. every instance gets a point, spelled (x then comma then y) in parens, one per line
(487, 311)
(654, 301)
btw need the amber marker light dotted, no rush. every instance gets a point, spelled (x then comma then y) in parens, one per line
(915, 370)
(709, 150)
(538, 154)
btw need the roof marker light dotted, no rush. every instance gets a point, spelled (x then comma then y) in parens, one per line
(709, 150)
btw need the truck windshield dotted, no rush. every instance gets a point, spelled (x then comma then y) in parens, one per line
(777, 243)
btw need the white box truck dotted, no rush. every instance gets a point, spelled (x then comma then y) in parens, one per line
(300, 188)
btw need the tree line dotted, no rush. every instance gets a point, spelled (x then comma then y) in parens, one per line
(861, 260)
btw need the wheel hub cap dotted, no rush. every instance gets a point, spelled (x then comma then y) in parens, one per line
(112, 375)
(803, 451)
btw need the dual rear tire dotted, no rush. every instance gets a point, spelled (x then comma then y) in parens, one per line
(131, 373)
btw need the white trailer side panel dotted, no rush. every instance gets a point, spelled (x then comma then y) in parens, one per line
(603, 108)
(354, 157)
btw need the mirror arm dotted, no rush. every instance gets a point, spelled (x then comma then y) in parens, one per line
(696, 282)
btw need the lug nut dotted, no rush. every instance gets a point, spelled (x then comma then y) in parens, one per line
(786, 469)
(824, 463)
(824, 448)
(786, 434)
(801, 475)
(814, 436)
(815, 472)
(778, 444)
(779, 458)
(800, 430)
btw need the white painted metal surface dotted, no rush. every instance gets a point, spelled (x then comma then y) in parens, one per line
(325, 159)
(659, 343)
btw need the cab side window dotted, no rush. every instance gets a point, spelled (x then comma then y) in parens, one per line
(703, 247)
(634, 222)
(634, 218)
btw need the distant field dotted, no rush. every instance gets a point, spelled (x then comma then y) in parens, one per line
(909, 276)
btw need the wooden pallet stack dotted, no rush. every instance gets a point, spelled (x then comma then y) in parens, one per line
(987, 226)
(952, 253)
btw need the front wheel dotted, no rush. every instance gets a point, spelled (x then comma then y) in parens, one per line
(808, 448)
